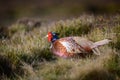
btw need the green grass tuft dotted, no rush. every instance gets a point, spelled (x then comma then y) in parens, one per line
(75, 28)
(113, 65)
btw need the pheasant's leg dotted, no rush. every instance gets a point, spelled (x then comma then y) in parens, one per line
(96, 51)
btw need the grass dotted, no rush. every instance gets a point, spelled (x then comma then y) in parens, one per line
(70, 28)
(25, 54)
(113, 65)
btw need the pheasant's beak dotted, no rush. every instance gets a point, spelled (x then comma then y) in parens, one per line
(45, 36)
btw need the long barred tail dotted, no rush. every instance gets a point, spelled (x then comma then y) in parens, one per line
(100, 43)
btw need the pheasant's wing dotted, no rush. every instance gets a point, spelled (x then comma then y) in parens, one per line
(71, 45)
(84, 43)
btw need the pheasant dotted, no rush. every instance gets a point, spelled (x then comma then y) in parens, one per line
(69, 46)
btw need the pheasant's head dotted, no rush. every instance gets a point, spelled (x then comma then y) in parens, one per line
(52, 36)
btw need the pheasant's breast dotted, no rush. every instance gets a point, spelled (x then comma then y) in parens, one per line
(60, 50)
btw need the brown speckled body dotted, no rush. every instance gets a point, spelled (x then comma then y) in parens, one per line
(70, 46)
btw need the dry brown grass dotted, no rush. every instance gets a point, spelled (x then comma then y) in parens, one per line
(29, 52)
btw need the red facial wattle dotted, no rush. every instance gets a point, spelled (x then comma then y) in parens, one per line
(50, 36)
